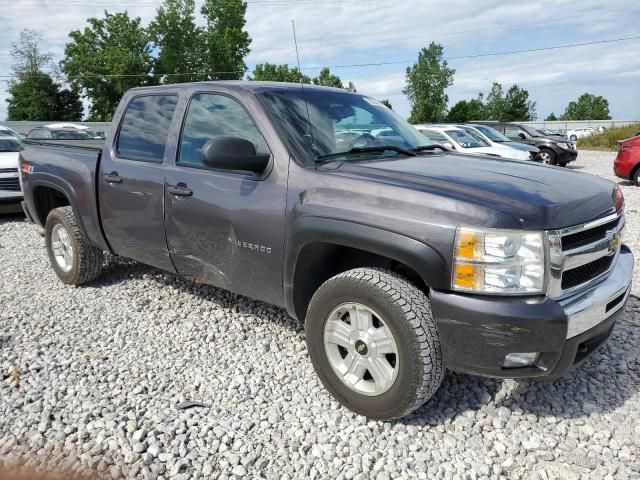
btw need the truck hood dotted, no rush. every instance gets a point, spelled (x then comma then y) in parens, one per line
(9, 160)
(537, 196)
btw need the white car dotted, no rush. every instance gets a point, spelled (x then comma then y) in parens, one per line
(10, 191)
(459, 140)
(507, 151)
(577, 133)
(82, 128)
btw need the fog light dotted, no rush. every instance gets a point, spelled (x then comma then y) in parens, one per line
(519, 360)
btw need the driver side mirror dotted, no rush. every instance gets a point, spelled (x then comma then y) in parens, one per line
(522, 136)
(448, 145)
(232, 153)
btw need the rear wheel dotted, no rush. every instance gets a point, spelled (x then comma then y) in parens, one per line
(635, 177)
(548, 156)
(374, 344)
(72, 258)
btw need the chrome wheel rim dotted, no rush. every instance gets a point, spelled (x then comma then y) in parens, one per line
(62, 248)
(361, 349)
(545, 157)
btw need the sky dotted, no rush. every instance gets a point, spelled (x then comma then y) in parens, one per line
(338, 33)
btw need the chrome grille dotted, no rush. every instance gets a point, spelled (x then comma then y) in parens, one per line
(9, 170)
(582, 255)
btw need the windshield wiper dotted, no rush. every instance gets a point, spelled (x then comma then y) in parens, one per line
(359, 150)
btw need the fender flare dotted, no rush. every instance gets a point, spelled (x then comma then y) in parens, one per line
(422, 258)
(65, 188)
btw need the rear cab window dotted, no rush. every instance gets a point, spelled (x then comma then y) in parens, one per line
(145, 128)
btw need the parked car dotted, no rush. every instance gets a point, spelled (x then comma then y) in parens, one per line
(46, 133)
(83, 128)
(10, 191)
(548, 133)
(627, 162)
(402, 261)
(507, 151)
(577, 133)
(459, 140)
(553, 151)
(496, 137)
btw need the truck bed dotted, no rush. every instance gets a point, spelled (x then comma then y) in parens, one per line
(71, 167)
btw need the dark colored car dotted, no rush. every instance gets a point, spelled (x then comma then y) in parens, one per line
(553, 150)
(44, 133)
(627, 163)
(402, 259)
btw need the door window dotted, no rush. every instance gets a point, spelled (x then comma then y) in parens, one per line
(212, 115)
(145, 128)
(513, 132)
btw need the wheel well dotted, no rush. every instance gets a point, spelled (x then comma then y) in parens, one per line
(634, 171)
(46, 199)
(318, 262)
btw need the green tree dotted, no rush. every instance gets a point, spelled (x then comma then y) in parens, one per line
(588, 107)
(226, 43)
(467, 110)
(512, 106)
(39, 98)
(517, 106)
(387, 104)
(269, 72)
(426, 82)
(494, 105)
(175, 34)
(327, 79)
(106, 59)
(551, 118)
(33, 94)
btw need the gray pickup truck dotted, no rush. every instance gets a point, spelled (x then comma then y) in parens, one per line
(402, 258)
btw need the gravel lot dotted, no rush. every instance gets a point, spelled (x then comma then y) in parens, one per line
(102, 368)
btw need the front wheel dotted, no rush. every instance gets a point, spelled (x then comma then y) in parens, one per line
(74, 260)
(374, 344)
(548, 156)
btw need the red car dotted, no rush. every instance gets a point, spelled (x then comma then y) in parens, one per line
(627, 164)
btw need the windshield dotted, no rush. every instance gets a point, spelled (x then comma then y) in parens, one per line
(531, 131)
(465, 140)
(340, 121)
(492, 134)
(9, 144)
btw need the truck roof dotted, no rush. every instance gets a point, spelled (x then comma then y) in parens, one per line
(247, 85)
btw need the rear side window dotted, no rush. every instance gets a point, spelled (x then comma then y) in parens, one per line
(145, 127)
(213, 115)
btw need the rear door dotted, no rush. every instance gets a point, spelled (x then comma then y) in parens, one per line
(131, 181)
(225, 228)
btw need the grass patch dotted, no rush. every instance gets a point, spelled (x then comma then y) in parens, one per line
(608, 140)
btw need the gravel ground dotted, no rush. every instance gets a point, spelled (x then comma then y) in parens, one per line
(93, 377)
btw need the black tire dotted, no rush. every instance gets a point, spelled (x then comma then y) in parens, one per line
(407, 313)
(87, 259)
(551, 160)
(573, 138)
(635, 177)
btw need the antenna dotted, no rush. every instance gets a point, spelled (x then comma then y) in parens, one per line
(304, 93)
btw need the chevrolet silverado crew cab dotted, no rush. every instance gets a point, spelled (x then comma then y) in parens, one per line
(402, 258)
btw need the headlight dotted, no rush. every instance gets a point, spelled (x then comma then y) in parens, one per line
(498, 261)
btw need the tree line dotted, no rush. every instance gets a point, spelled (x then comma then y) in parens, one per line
(112, 54)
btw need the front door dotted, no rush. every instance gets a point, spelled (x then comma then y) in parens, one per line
(225, 228)
(131, 181)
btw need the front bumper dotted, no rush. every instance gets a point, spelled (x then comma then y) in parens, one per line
(10, 201)
(566, 156)
(478, 332)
